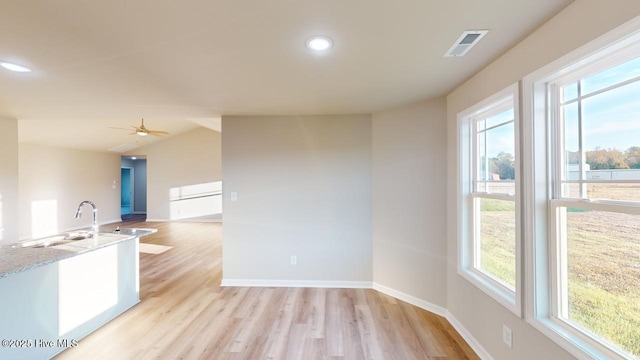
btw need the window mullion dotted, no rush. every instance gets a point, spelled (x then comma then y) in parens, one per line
(557, 146)
(583, 158)
(486, 159)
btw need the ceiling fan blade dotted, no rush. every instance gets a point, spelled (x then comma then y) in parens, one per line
(142, 131)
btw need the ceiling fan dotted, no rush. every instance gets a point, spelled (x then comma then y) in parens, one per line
(143, 131)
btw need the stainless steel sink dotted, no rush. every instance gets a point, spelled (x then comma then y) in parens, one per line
(46, 242)
(55, 240)
(50, 244)
(79, 235)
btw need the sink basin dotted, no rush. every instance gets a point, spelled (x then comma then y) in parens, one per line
(56, 240)
(50, 244)
(79, 235)
(46, 242)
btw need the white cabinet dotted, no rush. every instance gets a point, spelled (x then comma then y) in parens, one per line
(46, 309)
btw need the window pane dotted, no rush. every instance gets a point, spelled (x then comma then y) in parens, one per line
(612, 76)
(571, 141)
(501, 187)
(496, 187)
(481, 186)
(611, 125)
(603, 275)
(482, 157)
(480, 124)
(500, 118)
(497, 242)
(571, 190)
(569, 92)
(614, 191)
(500, 151)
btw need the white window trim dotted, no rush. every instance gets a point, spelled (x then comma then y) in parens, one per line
(510, 299)
(536, 182)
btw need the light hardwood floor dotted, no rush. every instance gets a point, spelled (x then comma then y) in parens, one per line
(185, 314)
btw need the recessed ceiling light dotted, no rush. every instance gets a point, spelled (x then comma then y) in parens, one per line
(14, 67)
(319, 43)
(133, 158)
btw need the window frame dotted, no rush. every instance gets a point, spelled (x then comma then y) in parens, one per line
(542, 178)
(467, 253)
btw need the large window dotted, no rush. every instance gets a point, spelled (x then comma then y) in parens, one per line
(490, 189)
(585, 196)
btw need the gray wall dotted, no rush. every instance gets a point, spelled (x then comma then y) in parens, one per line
(409, 183)
(9, 181)
(579, 23)
(139, 183)
(303, 187)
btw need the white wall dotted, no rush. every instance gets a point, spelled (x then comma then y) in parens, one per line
(9, 230)
(303, 187)
(409, 186)
(188, 159)
(53, 182)
(579, 23)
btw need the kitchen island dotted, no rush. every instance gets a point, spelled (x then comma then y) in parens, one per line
(55, 291)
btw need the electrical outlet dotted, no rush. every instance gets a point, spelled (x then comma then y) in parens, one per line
(507, 336)
(234, 196)
(294, 260)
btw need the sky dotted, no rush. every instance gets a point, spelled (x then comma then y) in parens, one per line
(611, 120)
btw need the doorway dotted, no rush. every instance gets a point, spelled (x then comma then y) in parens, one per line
(126, 191)
(133, 190)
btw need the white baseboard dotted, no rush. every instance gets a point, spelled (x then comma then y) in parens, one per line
(296, 283)
(425, 305)
(438, 310)
(466, 335)
(157, 220)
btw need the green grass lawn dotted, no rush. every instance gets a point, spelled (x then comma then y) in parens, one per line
(498, 231)
(604, 275)
(603, 267)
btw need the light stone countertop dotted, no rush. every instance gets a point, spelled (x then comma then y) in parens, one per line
(15, 258)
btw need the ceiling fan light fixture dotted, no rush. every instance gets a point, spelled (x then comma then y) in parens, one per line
(143, 131)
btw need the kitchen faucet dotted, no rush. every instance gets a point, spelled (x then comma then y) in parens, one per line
(95, 215)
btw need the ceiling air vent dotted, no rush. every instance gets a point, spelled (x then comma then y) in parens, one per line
(465, 42)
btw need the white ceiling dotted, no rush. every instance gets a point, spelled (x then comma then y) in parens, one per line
(181, 64)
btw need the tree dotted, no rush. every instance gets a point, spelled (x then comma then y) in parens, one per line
(632, 157)
(603, 159)
(503, 165)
